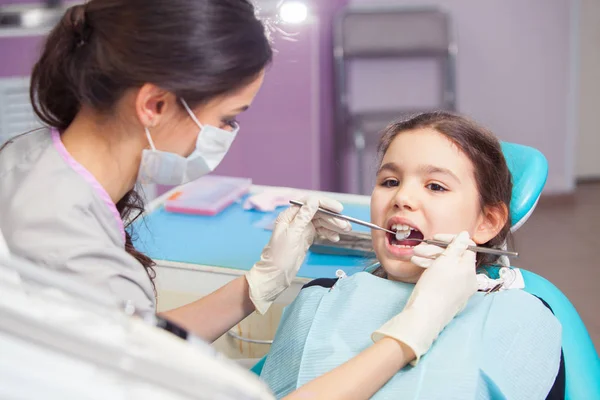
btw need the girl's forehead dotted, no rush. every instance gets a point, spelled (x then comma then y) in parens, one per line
(427, 146)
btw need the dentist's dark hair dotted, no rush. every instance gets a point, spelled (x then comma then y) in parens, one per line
(493, 178)
(195, 49)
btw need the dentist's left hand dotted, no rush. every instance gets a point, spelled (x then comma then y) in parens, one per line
(294, 232)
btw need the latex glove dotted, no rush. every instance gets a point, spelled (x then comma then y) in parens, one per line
(294, 232)
(441, 292)
(425, 254)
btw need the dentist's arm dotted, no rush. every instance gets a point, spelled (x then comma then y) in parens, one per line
(294, 232)
(214, 314)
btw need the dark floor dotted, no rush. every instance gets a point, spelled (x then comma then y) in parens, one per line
(560, 243)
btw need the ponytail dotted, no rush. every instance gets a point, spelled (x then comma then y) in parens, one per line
(56, 77)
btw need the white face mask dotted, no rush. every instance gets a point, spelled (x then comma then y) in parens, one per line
(166, 168)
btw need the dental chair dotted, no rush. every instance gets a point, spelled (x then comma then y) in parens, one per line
(529, 169)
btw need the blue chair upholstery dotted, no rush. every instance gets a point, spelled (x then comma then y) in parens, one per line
(529, 170)
(582, 365)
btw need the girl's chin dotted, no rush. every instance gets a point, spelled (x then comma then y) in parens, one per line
(403, 271)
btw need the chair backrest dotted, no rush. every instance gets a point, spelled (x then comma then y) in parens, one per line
(582, 365)
(529, 169)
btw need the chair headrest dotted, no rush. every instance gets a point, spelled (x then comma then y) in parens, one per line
(529, 170)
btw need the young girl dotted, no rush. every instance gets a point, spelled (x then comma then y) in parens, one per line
(440, 174)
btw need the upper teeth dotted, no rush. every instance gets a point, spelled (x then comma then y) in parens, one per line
(400, 227)
(402, 231)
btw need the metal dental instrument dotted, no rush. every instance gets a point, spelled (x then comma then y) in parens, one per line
(345, 217)
(476, 249)
(494, 289)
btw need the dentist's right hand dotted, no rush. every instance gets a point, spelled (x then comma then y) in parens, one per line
(294, 232)
(442, 291)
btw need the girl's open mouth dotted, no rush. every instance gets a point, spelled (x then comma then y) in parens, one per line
(408, 232)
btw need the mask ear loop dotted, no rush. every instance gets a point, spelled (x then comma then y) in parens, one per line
(149, 138)
(192, 115)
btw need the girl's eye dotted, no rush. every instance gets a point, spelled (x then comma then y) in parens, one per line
(436, 187)
(390, 183)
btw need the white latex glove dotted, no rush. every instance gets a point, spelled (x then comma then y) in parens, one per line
(441, 292)
(294, 232)
(425, 254)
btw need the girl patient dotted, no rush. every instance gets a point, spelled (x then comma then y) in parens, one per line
(439, 175)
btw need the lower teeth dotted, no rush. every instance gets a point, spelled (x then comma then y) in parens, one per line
(402, 246)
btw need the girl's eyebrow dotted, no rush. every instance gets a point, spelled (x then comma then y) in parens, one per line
(424, 169)
(433, 169)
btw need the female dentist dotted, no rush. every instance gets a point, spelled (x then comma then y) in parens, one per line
(147, 91)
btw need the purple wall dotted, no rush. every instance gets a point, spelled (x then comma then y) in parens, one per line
(17, 55)
(299, 149)
(277, 144)
(327, 11)
(294, 140)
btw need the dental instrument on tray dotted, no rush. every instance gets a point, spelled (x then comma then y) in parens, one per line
(398, 236)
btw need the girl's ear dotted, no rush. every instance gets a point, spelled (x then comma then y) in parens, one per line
(492, 220)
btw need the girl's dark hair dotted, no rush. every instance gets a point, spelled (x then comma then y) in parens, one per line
(195, 49)
(493, 178)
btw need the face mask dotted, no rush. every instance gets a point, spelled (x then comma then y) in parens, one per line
(166, 168)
